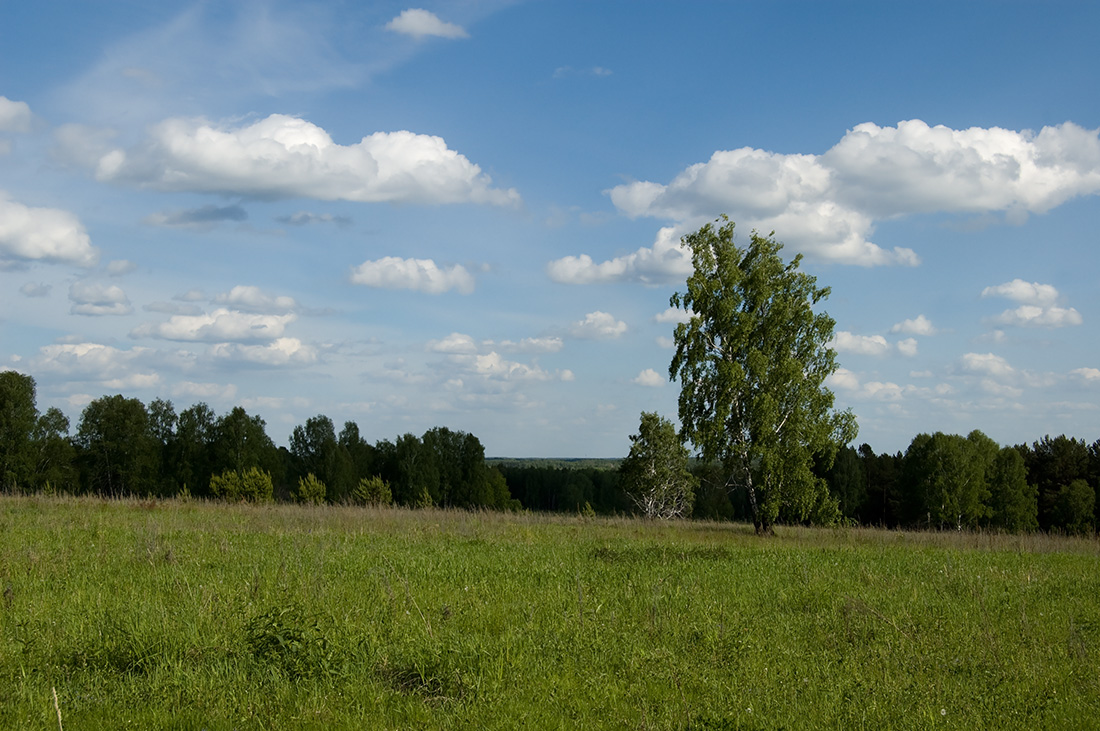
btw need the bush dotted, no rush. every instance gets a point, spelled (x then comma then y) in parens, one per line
(310, 489)
(372, 491)
(252, 486)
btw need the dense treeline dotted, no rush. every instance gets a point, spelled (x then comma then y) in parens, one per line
(121, 447)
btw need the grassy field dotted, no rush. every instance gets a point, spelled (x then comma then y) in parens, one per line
(191, 615)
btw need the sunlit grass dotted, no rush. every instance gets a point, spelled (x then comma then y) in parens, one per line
(196, 615)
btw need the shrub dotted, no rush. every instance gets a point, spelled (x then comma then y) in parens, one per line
(372, 491)
(253, 486)
(310, 489)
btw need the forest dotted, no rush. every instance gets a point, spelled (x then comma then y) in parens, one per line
(123, 447)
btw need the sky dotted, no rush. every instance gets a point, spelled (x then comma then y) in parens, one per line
(468, 214)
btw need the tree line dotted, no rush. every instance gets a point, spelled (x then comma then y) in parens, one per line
(122, 447)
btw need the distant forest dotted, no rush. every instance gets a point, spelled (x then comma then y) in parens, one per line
(123, 447)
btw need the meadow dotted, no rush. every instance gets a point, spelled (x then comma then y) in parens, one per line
(196, 615)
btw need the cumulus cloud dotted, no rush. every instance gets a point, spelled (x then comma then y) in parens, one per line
(1029, 293)
(827, 205)
(920, 325)
(89, 361)
(94, 298)
(650, 378)
(845, 380)
(1089, 375)
(1035, 316)
(14, 116)
(664, 262)
(675, 315)
(204, 391)
(1038, 308)
(455, 344)
(421, 275)
(220, 326)
(420, 23)
(287, 157)
(846, 342)
(279, 352)
(202, 217)
(42, 234)
(908, 347)
(530, 345)
(987, 364)
(598, 326)
(252, 299)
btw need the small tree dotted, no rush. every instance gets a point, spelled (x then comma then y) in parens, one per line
(372, 491)
(752, 363)
(655, 473)
(310, 489)
(253, 485)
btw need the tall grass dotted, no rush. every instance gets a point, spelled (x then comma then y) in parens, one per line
(195, 615)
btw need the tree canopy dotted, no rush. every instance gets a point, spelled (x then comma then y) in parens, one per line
(752, 362)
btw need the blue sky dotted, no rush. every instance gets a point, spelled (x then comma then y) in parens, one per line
(467, 214)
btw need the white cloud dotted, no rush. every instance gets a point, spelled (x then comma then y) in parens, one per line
(220, 326)
(421, 275)
(1038, 307)
(673, 315)
(285, 157)
(650, 378)
(665, 262)
(249, 298)
(1028, 293)
(42, 234)
(279, 352)
(133, 381)
(920, 325)
(14, 116)
(598, 326)
(1090, 375)
(419, 23)
(493, 365)
(846, 342)
(93, 298)
(562, 72)
(908, 347)
(88, 361)
(845, 380)
(455, 344)
(1035, 316)
(828, 204)
(987, 364)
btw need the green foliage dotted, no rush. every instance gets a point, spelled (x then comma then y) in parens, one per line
(289, 642)
(372, 491)
(655, 472)
(946, 478)
(1013, 503)
(310, 490)
(1075, 508)
(18, 415)
(752, 363)
(118, 453)
(253, 485)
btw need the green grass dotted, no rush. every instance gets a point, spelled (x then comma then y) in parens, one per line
(203, 616)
